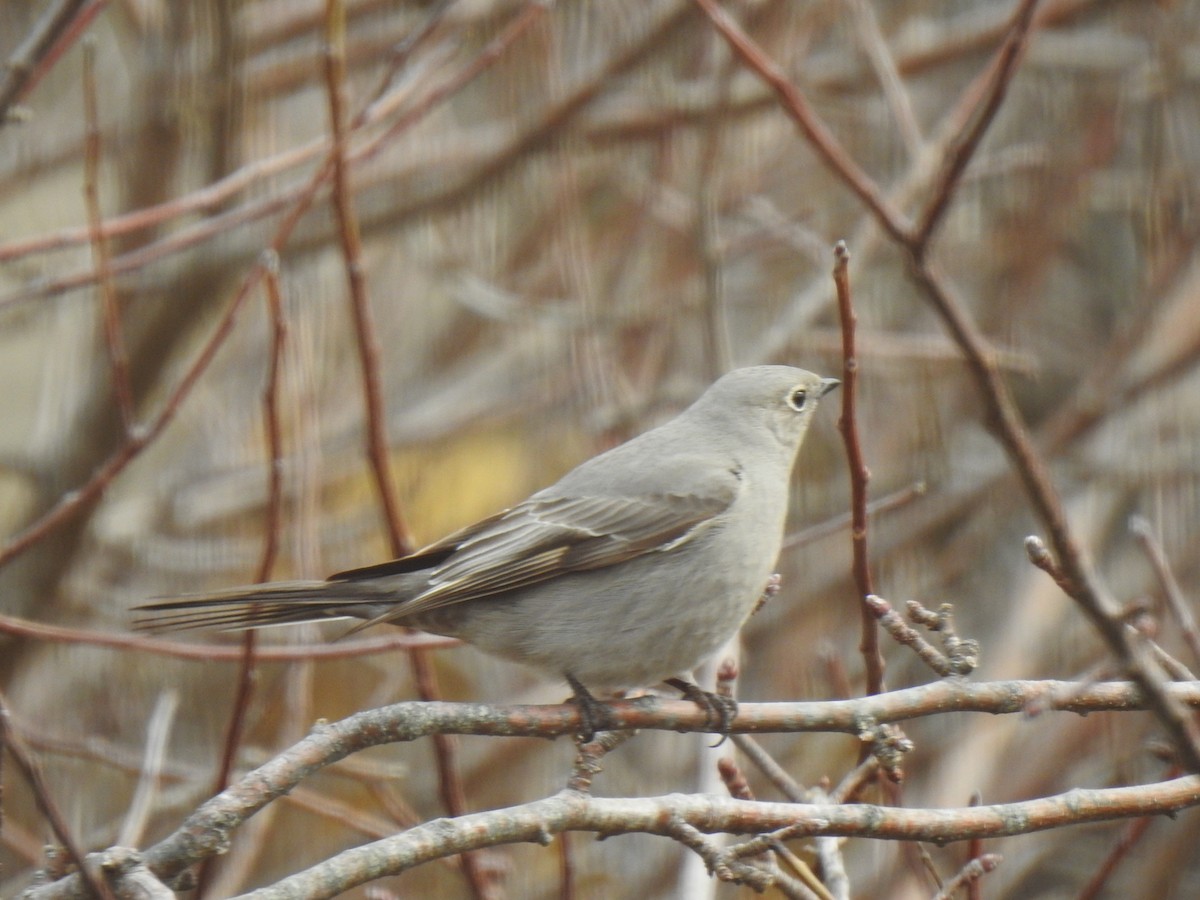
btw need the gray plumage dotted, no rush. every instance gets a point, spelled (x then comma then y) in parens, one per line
(636, 566)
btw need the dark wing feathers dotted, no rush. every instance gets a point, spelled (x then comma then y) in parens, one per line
(549, 536)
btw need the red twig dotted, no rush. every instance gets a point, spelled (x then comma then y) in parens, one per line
(28, 767)
(992, 87)
(974, 851)
(114, 339)
(820, 138)
(1129, 837)
(364, 325)
(271, 420)
(248, 663)
(58, 27)
(1180, 609)
(860, 475)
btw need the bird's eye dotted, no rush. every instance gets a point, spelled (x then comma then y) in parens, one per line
(797, 399)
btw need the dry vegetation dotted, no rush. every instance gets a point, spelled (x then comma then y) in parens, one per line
(287, 287)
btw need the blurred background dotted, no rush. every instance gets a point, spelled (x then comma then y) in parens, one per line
(573, 217)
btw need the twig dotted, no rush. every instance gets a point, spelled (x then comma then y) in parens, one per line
(38, 51)
(969, 874)
(765, 763)
(1176, 602)
(11, 741)
(993, 86)
(888, 503)
(974, 851)
(879, 54)
(860, 475)
(820, 138)
(1126, 645)
(1129, 837)
(114, 339)
(248, 662)
(142, 804)
(902, 633)
(365, 331)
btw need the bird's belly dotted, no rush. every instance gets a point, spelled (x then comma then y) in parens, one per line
(627, 627)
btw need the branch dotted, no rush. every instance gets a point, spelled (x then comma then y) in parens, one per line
(538, 821)
(860, 475)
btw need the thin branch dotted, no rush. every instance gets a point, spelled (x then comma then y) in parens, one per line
(860, 475)
(248, 662)
(993, 86)
(969, 875)
(11, 741)
(1129, 837)
(207, 831)
(114, 339)
(884, 63)
(43, 45)
(365, 331)
(885, 504)
(142, 804)
(1176, 602)
(820, 138)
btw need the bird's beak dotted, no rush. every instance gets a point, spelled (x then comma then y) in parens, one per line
(828, 384)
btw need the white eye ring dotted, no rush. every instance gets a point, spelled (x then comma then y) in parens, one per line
(797, 398)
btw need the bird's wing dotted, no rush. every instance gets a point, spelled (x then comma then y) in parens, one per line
(547, 536)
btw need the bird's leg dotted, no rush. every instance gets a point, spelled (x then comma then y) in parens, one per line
(719, 710)
(592, 713)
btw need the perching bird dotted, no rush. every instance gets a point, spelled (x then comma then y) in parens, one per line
(633, 569)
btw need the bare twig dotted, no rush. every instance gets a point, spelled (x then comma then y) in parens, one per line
(1129, 837)
(114, 339)
(885, 504)
(11, 741)
(860, 475)
(351, 243)
(992, 88)
(41, 47)
(884, 63)
(142, 804)
(1176, 602)
(969, 874)
(819, 136)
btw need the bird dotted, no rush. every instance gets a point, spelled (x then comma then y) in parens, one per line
(631, 570)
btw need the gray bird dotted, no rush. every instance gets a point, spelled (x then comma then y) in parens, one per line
(632, 570)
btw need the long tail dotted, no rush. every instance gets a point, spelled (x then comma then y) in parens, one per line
(257, 606)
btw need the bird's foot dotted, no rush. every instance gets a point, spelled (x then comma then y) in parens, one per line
(593, 714)
(719, 709)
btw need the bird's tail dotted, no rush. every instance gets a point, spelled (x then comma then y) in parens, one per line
(257, 606)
